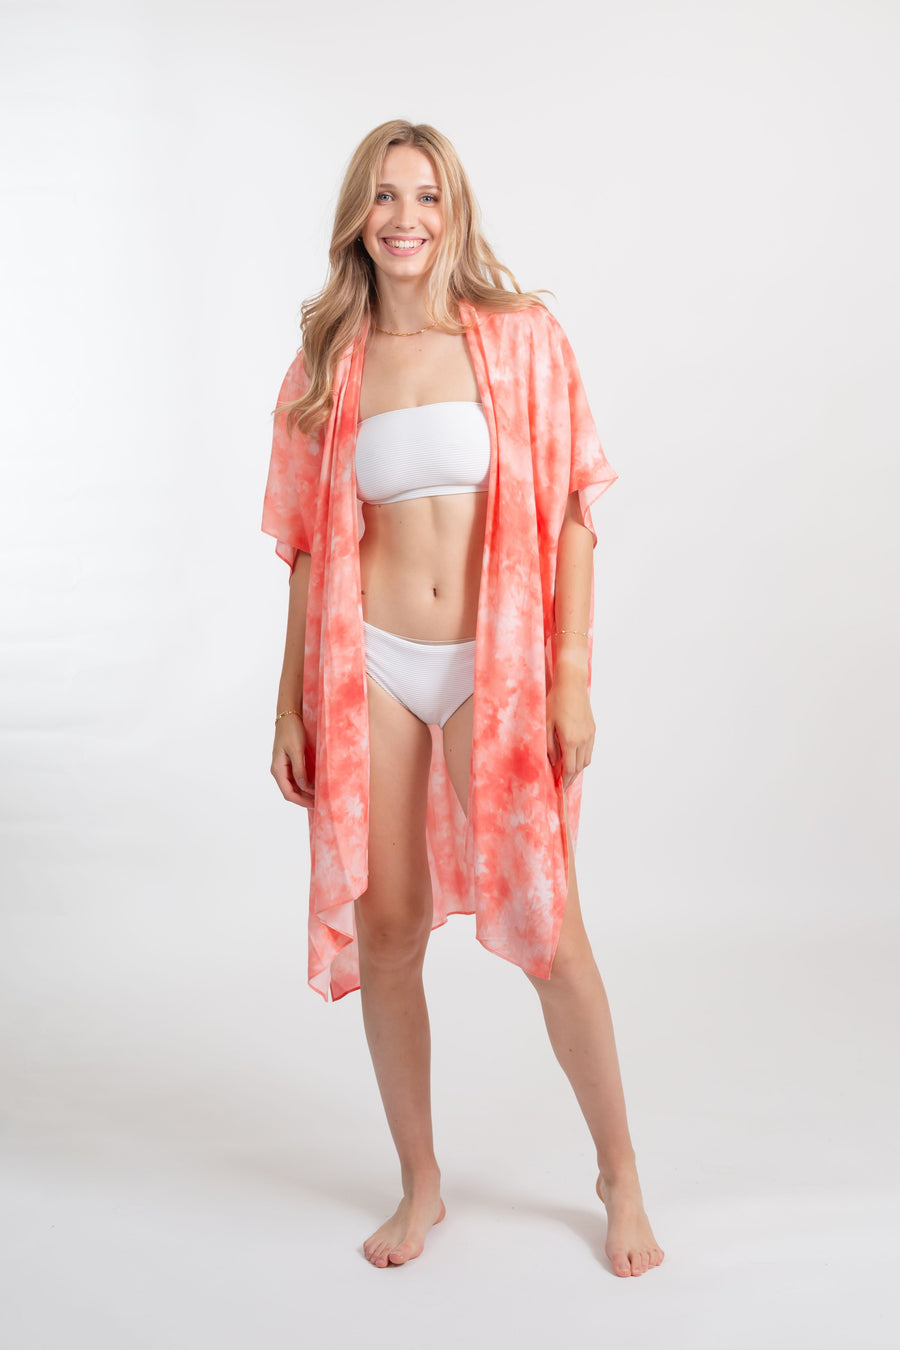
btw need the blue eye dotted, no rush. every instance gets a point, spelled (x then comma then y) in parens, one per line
(431, 195)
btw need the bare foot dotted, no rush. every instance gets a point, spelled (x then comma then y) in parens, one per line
(402, 1236)
(630, 1244)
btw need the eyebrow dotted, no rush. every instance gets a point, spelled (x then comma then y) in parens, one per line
(420, 188)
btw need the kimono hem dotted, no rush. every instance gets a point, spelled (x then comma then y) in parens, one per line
(506, 860)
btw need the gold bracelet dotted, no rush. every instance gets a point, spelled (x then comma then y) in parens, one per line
(285, 713)
(571, 630)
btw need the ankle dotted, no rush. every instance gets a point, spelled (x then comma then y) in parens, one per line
(423, 1177)
(614, 1171)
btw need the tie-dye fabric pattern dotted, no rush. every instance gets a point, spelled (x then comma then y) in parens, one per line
(506, 862)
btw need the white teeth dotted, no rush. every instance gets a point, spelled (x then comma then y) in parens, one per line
(403, 243)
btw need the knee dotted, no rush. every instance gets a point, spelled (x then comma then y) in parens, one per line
(573, 968)
(392, 939)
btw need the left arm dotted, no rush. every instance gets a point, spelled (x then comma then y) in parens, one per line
(570, 722)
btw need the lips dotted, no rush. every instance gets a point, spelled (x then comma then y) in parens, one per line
(402, 247)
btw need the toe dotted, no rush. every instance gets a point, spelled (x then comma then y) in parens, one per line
(620, 1264)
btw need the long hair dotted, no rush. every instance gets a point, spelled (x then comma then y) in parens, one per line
(464, 268)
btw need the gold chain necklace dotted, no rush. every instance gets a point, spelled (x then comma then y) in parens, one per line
(415, 334)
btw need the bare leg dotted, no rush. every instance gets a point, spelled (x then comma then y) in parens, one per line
(393, 923)
(577, 1016)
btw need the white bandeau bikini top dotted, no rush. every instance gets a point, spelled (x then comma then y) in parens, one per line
(427, 451)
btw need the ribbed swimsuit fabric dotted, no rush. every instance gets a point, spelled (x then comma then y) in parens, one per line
(434, 449)
(431, 679)
(425, 451)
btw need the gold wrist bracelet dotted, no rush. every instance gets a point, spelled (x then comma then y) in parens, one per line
(285, 713)
(571, 630)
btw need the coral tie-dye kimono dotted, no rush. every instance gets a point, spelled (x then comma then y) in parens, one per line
(506, 859)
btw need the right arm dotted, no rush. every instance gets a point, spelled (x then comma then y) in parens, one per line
(289, 510)
(289, 751)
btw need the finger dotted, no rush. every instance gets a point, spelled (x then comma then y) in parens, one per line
(291, 794)
(288, 789)
(297, 771)
(301, 794)
(551, 741)
(303, 786)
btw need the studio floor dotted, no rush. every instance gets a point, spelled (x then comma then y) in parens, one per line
(194, 1151)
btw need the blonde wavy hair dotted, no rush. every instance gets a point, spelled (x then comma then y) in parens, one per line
(464, 268)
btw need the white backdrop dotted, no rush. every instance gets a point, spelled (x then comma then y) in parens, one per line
(710, 190)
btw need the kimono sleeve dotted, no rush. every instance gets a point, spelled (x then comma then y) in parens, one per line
(590, 473)
(289, 504)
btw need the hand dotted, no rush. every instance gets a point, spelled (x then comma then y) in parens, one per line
(570, 727)
(289, 762)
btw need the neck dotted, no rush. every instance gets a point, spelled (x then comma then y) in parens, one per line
(401, 306)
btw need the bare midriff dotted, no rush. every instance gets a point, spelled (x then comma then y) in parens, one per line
(420, 559)
(420, 565)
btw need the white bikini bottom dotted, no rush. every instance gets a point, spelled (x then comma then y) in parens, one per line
(431, 679)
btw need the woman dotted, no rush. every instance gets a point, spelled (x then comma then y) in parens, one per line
(433, 465)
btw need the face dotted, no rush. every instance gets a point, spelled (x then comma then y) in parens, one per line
(403, 228)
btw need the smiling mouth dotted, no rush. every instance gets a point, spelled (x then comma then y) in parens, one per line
(403, 245)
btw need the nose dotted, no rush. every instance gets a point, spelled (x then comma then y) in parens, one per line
(404, 214)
